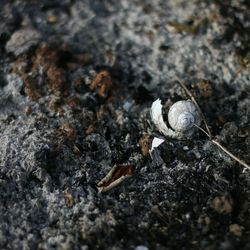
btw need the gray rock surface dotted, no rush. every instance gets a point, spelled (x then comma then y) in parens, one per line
(65, 122)
(22, 40)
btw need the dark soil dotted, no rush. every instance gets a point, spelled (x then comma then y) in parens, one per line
(77, 80)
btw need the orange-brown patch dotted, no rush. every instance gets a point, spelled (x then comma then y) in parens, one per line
(102, 83)
(89, 130)
(40, 72)
(69, 200)
(144, 143)
(68, 131)
(56, 79)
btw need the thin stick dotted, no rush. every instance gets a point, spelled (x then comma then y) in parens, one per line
(195, 102)
(208, 132)
(224, 149)
(204, 131)
(230, 154)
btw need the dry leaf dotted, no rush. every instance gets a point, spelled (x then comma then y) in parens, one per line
(115, 176)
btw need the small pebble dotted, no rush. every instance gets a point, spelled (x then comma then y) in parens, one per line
(22, 40)
(141, 247)
(236, 229)
(223, 204)
(15, 85)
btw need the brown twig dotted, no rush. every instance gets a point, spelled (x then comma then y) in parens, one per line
(207, 131)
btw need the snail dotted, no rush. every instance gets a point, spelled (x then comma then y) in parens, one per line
(182, 118)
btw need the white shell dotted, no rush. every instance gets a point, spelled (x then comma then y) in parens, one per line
(182, 116)
(157, 118)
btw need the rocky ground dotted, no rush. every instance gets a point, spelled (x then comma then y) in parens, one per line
(77, 80)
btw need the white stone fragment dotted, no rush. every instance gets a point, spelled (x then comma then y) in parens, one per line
(155, 144)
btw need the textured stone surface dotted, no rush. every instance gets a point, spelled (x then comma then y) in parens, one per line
(60, 133)
(22, 40)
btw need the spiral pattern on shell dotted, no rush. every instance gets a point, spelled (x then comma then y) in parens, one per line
(182, 116)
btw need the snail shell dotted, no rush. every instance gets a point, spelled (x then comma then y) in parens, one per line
(182, 116)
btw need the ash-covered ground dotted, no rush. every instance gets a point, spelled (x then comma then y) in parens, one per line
(77, 80)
